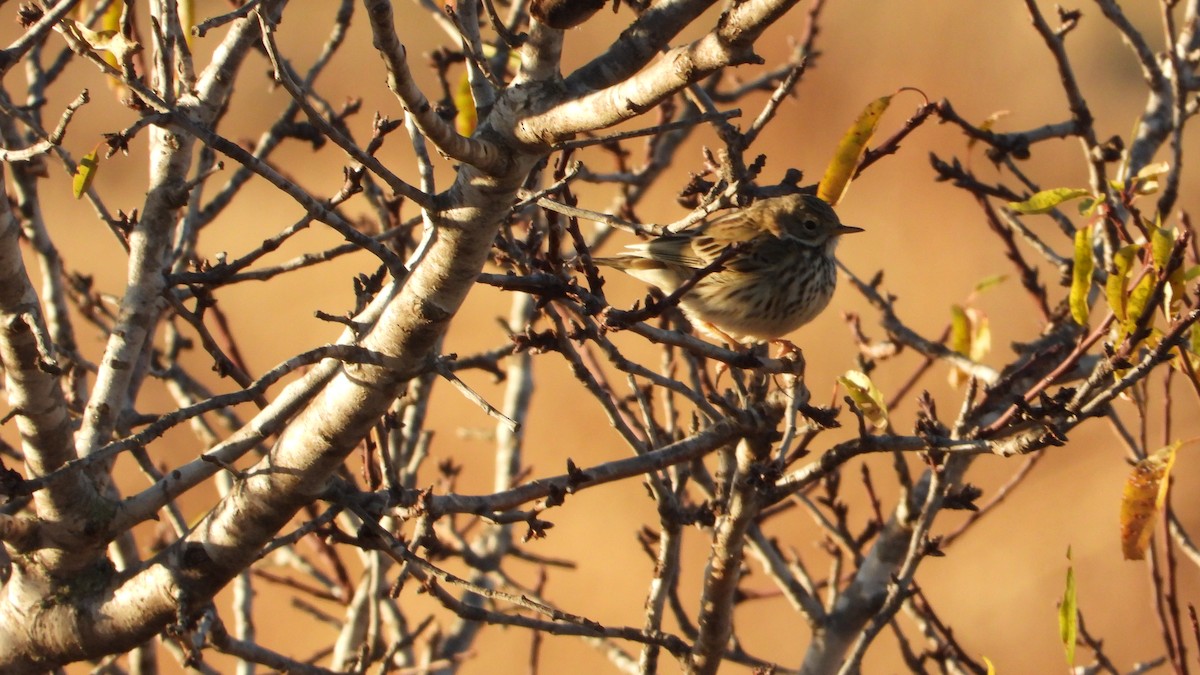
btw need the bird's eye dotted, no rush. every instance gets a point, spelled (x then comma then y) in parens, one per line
(810, 225)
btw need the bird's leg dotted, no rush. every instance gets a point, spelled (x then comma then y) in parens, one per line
(718, 334)
(731, 343)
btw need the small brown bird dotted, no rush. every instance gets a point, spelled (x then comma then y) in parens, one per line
(781, 279)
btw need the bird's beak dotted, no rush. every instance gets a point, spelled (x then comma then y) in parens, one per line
(846, 229)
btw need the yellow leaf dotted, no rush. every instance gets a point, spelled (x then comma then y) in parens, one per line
(464, 100)
(187, 18)
(981, 334)
(987, 125)
(960, 341)
(1153, 170)
(991, 670)
(866, 397)
(1046, 200)
(1146, 182)
(1081, 275)
(1143, 498)
(111, 21)
(970, 335)
(850, 151)
(489, 52)
(992, 119)
(1068, 614)
(1114, 286)
(85, 173)
(960, 330)
(110, 24)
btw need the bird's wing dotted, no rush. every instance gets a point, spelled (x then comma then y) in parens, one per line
(753, 255)
(698, 248)
(711, 240)
(676, 250)
(708, 248)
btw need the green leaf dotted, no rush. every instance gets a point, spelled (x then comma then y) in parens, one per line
(1089, 204)
(1046, 200)
(850, 151)
(1081, 275)
(1068, 614)
(85, 173)
(988, 283)
(1162, 241)
(1187, 359)
(1114, 287)
(1138, 300)
(866, 397)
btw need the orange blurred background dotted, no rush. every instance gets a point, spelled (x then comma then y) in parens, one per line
(998, 586)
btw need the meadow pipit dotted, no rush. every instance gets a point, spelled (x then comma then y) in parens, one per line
(781, 278)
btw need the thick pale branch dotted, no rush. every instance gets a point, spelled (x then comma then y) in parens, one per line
(151, 242)
(730, 43)
(411, 316)
(256, 389)
(36, 396)
(541, 55)
(644, 39)
(20, 533)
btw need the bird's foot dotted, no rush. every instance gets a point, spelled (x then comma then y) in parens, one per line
(786, 348)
